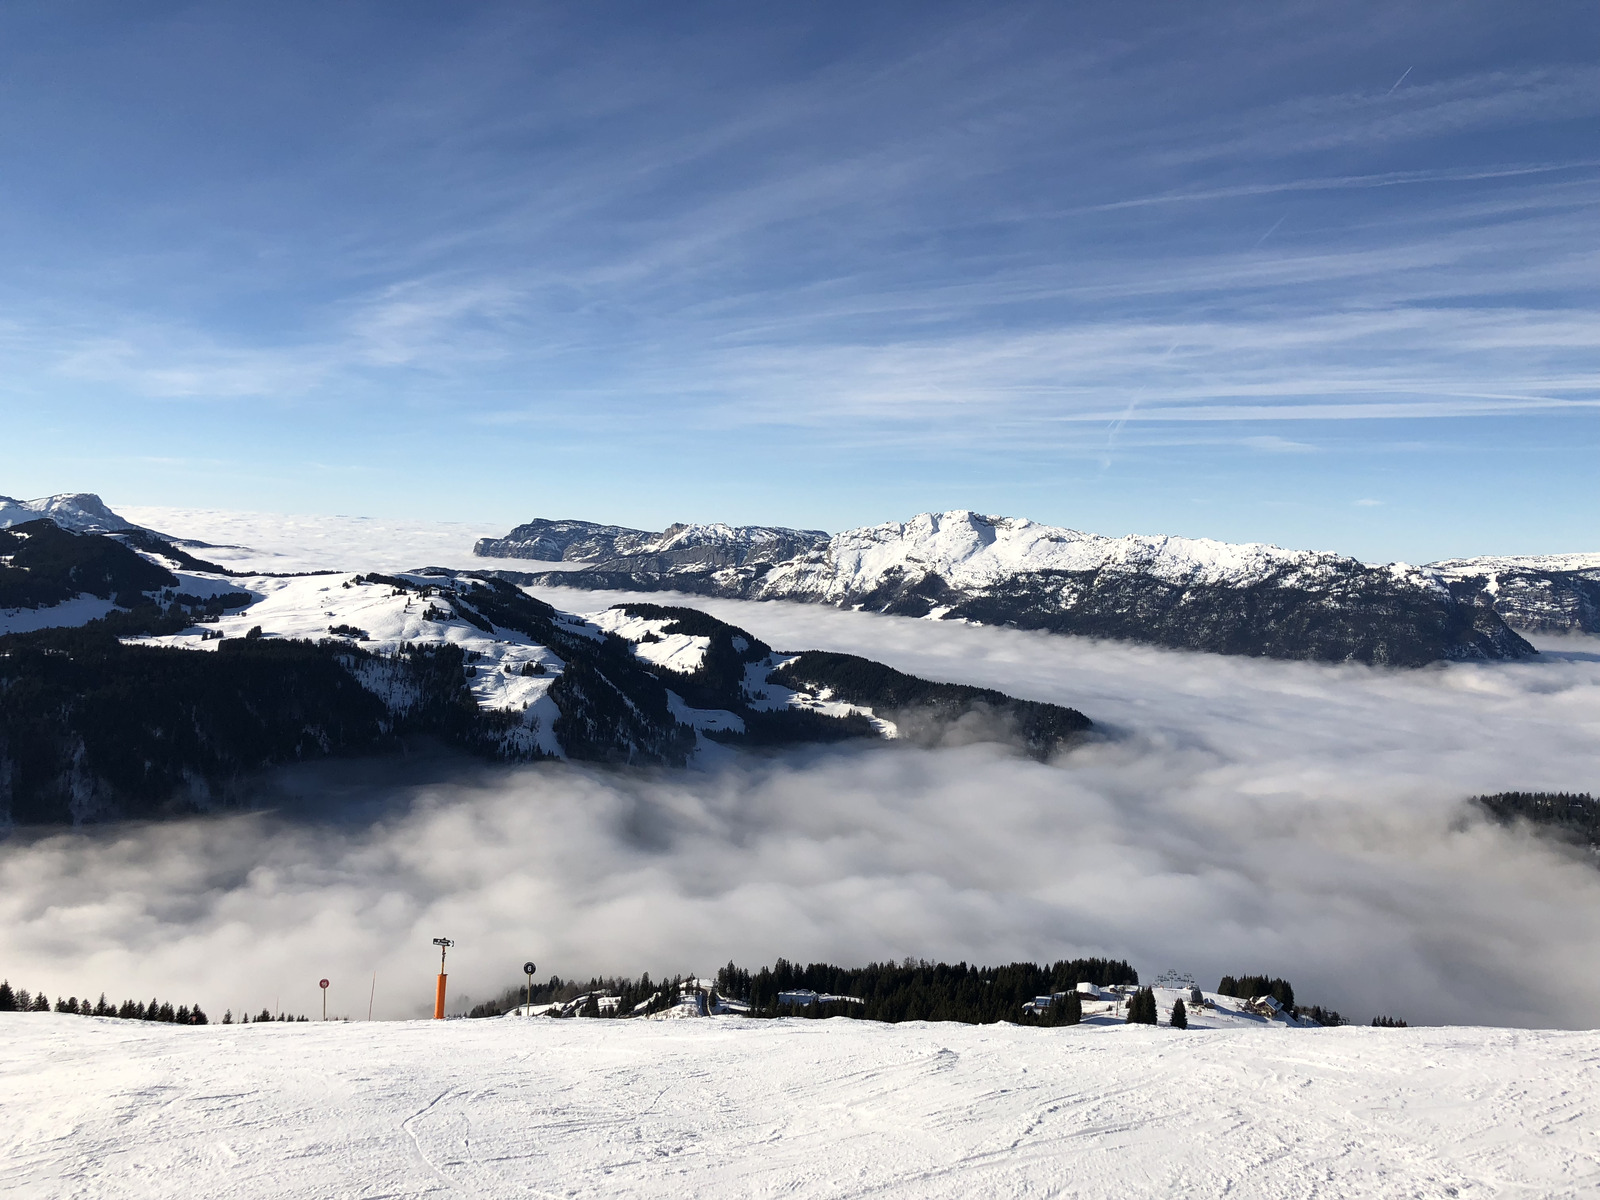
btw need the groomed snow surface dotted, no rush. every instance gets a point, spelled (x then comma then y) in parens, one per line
(838, 1108)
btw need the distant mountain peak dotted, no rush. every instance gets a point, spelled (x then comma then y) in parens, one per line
(618, 547)
(80, 512)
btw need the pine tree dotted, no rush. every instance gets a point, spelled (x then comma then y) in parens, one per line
(227, 1017)
(1142, 1008)
(8, 998)
(1064, 1010)
(41, 1003)
(1180, 1015)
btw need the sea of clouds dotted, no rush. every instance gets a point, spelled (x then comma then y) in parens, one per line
(1235, 815)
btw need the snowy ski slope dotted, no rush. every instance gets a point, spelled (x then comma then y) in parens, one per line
(736, 1108)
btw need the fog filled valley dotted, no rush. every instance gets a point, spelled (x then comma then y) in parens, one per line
(1230, 814)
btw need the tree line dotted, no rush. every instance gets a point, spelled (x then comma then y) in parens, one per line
(21, 1000)
(635, 997)
(1248, 987)
(912, 990)
(1573, 816)
(918, 990)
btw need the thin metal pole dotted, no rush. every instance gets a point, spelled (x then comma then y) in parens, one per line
(372, 994)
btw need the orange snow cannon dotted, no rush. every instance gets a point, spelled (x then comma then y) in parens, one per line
(438, 996)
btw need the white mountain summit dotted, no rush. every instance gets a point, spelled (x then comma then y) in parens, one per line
(80, 512)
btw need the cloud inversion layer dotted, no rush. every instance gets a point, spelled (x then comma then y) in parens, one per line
(1244, 816)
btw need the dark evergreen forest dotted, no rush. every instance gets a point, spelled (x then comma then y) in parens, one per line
(923, 991)
(1248, 987)
(129, 1010)
(43, 564)
(90, 727)
(1571, 816)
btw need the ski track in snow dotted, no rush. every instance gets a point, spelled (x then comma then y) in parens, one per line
(790, 1108)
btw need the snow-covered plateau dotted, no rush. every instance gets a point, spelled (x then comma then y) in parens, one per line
(836, 1108)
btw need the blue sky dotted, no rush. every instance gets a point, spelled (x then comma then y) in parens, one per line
(1324, 275)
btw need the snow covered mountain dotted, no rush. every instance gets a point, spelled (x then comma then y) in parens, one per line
(564, 541)
(80, 512)
(1185, 593)
(135, 681)
(692, 547)
(1549, 593)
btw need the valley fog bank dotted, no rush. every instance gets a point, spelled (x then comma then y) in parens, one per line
(1243, 815)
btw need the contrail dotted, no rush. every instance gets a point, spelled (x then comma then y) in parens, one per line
(1399, 81)
(1269, 232)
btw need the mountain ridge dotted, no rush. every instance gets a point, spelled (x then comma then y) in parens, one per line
(183, 683)
(704, 545)
(1185, 593)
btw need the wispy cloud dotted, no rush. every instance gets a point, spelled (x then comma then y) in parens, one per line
(977, 234)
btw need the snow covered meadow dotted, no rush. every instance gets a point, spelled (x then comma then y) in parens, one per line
(517, 1107)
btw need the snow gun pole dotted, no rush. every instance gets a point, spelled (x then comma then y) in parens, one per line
(438, 997)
